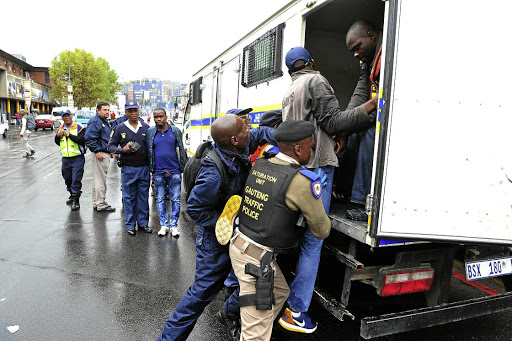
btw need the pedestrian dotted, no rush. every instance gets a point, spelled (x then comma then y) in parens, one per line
(96, 139)
(71, 139)
(131, 136)
(364, 40)
(17, 116)
(167, 160)
(205, 205)
(278, 190)
(25, 134)
(310, 97)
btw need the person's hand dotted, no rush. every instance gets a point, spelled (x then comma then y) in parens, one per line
(112, 155)
(66, 132)
(99, 156)
(127, 149)
(372, 104)
(60, 133)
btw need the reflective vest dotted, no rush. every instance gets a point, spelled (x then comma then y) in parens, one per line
(69, 148)
(264, 216)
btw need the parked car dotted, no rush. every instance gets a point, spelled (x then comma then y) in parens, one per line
(46, 121)
(83, 117)
(4, 128)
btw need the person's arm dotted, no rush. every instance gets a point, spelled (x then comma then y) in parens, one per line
(299, 196)
(92, 135)
(80, 138)
(181, 149)
(203, 199)
(261, 136)
(23, 125)
(331, 118)
(113, 143)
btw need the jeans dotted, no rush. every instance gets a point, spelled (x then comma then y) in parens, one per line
(212, 267)
(173, 182)
(135, 181)
(301, 289)
(363, 175)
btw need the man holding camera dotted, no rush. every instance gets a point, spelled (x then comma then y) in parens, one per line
(129, 140)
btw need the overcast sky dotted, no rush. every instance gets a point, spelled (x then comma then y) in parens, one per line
(166, 39)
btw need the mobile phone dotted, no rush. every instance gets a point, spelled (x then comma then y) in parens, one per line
(135, 146)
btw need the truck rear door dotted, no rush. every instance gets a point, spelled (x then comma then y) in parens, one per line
(443, 166)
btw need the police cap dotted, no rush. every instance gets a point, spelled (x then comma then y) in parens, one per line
(131, 105)
(271, 118)
(294, 131)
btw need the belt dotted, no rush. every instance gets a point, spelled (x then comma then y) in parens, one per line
(248, 248)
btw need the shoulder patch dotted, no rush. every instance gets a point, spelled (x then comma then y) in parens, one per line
(123, 135)
(316, 184)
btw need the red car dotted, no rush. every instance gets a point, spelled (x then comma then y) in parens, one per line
(45, 121)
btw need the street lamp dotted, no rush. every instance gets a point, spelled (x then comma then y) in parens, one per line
(70, 88)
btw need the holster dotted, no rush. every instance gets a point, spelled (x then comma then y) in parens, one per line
(264, 298)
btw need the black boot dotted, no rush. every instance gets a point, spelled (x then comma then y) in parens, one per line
(232, 326)
(75, 204)
(69, 201)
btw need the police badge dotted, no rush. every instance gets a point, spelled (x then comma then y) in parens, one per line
(316, 187)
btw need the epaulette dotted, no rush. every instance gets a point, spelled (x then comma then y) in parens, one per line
(316, 184)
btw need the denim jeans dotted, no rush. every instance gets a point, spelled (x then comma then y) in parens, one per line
(363, 175)
(301, 289)
(173, 182)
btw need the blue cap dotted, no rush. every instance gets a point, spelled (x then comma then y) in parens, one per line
(239, 112)
(297, 53)
(131, 105)
(65, 112)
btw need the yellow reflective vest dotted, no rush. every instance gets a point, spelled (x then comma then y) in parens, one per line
(69, 148)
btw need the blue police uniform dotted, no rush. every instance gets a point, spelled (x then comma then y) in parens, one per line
(135, 176)
(213, 264)
(98, 134)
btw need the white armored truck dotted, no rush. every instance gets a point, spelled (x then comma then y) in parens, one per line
(440, 207)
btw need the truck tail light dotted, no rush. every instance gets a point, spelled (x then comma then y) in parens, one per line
(405, 282)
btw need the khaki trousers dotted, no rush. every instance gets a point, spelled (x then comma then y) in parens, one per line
(24, 141)
(257, 324)
(99, 176)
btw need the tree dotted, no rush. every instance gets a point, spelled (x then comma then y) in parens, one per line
(92, 79)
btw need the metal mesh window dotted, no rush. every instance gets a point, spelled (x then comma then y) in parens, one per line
(195, 91)
(262, 58)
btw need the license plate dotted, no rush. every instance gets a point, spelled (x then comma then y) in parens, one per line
(488, 268)
(41, 121)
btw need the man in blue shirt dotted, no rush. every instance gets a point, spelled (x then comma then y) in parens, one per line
(131, 136)
(96, 138)
(167, 160)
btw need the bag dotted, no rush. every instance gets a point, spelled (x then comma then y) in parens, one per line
(193, 166)
(31, 123)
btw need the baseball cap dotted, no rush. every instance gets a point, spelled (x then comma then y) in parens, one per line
(131, 105)
(65, 112)
(239, 112)
(297, 53)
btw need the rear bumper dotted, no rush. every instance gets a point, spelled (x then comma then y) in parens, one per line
(388, 324)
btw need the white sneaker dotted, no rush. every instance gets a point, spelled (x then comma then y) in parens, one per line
(175, 232)
(163, 231)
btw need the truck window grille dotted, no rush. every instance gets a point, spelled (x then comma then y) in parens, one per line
(195, 91)
(262, 59)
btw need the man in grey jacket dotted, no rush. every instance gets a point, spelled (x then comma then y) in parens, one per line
(310, 97)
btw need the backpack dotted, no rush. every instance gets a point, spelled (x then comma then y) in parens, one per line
(31, 123)
(193, 165)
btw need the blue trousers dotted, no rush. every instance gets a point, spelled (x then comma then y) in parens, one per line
(73, 172)
(212, 267)
(301, 288)
(363, 175)
(173, 182)
(135, 181)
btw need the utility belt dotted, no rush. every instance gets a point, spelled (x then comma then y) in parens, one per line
(264, 298)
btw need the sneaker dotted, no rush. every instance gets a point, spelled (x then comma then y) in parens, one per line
(174, 232)
(26, 155)
(224, 226)
(358, 214)
(163, 231)
(297, 322)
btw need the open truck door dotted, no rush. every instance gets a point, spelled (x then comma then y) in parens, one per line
(443, 166)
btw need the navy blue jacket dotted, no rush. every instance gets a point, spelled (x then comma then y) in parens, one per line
(205, 203)
(180, 150)
(97, 134)
(121, 136)
(261, 136)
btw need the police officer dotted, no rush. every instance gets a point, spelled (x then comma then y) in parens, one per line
(131, 136)
(278, 190)
(71, 139)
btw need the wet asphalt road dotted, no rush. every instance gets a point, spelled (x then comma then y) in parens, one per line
(78, 276)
